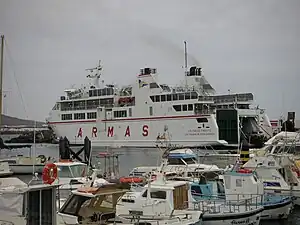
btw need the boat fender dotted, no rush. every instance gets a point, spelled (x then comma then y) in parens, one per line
(49, 173)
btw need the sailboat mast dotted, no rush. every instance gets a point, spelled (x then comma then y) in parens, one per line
(185, 63)
(1, 76)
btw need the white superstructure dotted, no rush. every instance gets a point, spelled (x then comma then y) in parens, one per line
(136, 115)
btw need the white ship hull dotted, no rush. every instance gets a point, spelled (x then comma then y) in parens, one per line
(135, 132)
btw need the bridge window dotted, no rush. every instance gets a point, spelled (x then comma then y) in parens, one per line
(153, 85)
(79, 105)
(66, 117)
(121, 113)
(181, 96)
(184, 107)
(163, 98)
(91, 115)
(194, 95)
(66, 106)
(92, 104)
(188, 95)
(174, 97)
(79, 116)
(169, 97)
(177, 108)
(157, 98)
(190, 107)
(156, 194)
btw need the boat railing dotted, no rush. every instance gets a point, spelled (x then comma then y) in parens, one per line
(217, 204)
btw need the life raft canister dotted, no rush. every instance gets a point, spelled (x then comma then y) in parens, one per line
(131, 180)
(49, 173)
(244, 171)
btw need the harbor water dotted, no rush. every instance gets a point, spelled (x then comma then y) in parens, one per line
(128, 159)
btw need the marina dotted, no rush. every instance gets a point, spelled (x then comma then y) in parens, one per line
(151, 134)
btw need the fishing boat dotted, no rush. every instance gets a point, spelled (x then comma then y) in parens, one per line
(214, 212)
(26, 164)
(23, 204)
(268, 170)
(5, 171)
(133, 115)
(239, 185)
(99, 205)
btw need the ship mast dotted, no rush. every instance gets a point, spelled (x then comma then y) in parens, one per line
(185, 63)
(1, 75)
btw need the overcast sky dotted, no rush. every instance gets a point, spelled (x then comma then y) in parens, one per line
(245, 46)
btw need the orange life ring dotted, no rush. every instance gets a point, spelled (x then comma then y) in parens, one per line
(131, 180)
(49, 173)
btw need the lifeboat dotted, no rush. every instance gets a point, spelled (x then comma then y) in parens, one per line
(131, 180)
(245, 171)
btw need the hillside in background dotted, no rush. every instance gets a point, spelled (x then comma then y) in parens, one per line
(13, 121)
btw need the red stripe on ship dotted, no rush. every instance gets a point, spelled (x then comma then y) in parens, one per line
(132, 119)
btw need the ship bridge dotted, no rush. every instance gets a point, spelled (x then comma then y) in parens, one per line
(196, 79)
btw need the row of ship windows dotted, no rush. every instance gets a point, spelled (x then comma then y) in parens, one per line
(93, 115)
(174, 97)
(101, 92)
(79, 116)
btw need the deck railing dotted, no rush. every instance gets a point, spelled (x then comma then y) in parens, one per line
(218, 204)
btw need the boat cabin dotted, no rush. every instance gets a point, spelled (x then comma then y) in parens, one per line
(268, 170)
(166, 195)
(22, 204)
(90, 204)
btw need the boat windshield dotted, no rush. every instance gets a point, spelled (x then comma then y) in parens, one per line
(74, 204)
(182, 161)
(291, 149)
(71, 171)
(190, 160)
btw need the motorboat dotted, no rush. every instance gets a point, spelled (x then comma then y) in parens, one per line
(22, 165)
(23, 204)
(5, 171)
(91, 205)
(242, 186)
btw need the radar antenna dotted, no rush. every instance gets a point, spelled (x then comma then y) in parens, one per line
(95, 74)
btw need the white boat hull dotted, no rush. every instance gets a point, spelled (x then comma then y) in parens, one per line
(247, 218)
(26, 169)
(278, 211)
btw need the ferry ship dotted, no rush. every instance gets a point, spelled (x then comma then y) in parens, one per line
(138, 114)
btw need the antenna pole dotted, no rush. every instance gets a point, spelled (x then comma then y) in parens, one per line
(1, 76)
(185, 62)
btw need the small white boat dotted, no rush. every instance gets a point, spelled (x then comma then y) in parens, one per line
(21, 204)
(98, 206)
(179, 161)
(26, 165)
(5, 171)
